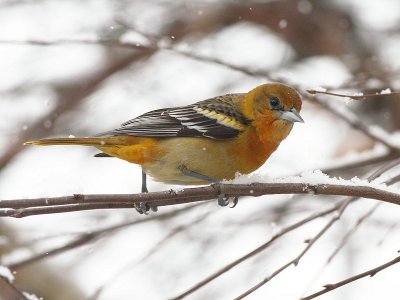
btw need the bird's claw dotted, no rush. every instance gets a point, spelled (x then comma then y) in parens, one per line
(235, 201)
(144, 208)
(225, 201)
(222, 200)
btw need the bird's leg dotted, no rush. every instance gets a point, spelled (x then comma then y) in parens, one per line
(144, 207)
(223, 200)
(144, 182)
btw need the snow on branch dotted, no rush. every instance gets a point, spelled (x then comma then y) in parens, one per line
(357, 96)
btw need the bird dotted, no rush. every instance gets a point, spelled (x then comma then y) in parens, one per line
(201, 143)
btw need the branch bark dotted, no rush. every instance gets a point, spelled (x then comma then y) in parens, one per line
(27, 207)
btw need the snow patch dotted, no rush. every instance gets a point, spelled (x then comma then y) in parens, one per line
(386, 91)
(6, 273)
(311, 177)
(32, 296)
(283, 24)
(319, 89)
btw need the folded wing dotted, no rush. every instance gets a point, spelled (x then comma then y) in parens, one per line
(216, 118)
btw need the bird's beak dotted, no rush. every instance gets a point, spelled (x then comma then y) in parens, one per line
(291, 116)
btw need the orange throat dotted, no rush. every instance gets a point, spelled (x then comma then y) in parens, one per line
(271, 134)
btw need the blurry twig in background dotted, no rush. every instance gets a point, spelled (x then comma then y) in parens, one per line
(156, 248)
(295, 261)
(351, 119)
(261, 248)
(365, 216)
(352, 230)
(154, 46)
(8, 291)
(69, 97)
(332, 286)
(86, 238)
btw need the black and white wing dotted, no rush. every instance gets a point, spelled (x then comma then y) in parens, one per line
(216, 118)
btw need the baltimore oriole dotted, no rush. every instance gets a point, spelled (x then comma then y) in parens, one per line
(204, 142)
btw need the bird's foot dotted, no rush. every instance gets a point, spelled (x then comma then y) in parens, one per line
(225, 201)
(144, 208)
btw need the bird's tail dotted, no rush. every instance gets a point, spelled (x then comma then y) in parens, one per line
(90, 141)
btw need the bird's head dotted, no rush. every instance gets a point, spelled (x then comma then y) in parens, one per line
(275, 102)
(273, 108)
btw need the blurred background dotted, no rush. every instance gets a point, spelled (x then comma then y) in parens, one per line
(81, 67)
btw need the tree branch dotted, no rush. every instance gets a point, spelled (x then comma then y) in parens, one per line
(28, 207)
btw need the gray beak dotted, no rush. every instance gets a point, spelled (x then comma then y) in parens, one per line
(291, 116)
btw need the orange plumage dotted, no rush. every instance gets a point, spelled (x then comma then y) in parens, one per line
(203, 142)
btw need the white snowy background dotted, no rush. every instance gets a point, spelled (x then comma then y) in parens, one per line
(143, 261)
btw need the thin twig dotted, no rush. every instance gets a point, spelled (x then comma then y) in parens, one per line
(372, 272)
(60, 42)
(349, 233)
(355, 97)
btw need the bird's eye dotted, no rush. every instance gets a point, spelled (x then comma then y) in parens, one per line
(275, 103)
